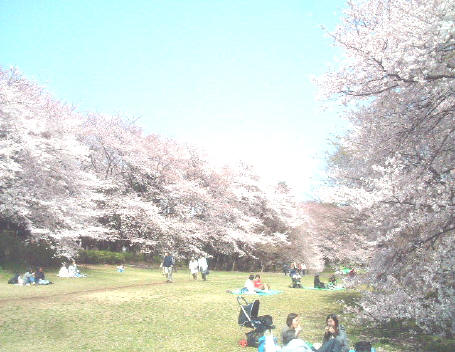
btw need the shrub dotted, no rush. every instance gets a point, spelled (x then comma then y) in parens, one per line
(92, 256)
(17, 252)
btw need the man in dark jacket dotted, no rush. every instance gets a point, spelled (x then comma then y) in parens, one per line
(168, 264)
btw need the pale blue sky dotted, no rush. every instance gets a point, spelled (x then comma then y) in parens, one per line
(232, 77)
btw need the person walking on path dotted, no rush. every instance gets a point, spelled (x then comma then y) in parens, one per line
(304, 269)
(194, 267)
(168, 264)
(203, 267)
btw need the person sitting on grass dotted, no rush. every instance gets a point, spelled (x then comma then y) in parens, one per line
(40, 278)
(29, 277)
(63, 272)
(332, 281)
(248, 286)
(258, 284)
(121, 268)
(290, 335)
(73, 271)
(318, 283)
(335, 338)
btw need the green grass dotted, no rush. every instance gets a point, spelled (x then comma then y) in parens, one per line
(137, 311)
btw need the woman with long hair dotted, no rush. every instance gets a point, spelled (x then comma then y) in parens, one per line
(334, 331)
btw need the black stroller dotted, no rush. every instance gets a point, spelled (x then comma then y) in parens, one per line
(295, 277)
(248, 317)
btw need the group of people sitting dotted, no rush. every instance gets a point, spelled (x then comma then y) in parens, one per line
(30, 277)
(254, 284)
(319, 284)
(334, 340)
(37, 277)
(70, 271)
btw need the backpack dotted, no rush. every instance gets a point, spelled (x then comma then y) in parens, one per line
(13, 280)
(266, 320)
(253, 337)
(362, 346)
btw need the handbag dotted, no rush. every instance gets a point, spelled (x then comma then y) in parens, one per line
(362, 346)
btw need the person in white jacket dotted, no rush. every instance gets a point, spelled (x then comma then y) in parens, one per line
(194, 267)
(63, 272)
(203, 267)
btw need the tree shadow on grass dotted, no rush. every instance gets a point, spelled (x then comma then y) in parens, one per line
(399, 335)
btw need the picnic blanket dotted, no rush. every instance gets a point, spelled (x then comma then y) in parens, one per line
(239, 291)
(350, 350)
(335, 288)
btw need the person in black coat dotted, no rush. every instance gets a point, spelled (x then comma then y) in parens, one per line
(168, 265)
(318, 283)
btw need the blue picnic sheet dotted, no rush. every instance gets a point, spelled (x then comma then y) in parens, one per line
(336, 288)
(239, 291)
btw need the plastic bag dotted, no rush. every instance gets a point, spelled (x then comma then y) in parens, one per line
(268, 343)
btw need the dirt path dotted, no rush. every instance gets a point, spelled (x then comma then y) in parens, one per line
(75, 293)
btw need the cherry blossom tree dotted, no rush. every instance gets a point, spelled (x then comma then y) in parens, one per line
(68, 177)
(334, 234)
(165, 196)
(397, 81)
(43, 183)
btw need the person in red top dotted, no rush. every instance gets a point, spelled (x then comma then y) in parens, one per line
(259, 284)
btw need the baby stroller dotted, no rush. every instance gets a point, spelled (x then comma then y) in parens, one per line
(295, 277)
(248, 317)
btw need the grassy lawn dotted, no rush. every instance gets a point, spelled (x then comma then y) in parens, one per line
(137, 311)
